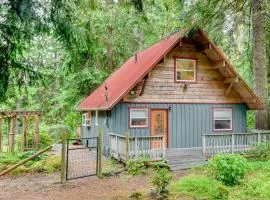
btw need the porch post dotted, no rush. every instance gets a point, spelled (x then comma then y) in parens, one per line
(127, 146)
(135, 150)
(259, 137)
(233, 143)
(204, 147)
(163, 146)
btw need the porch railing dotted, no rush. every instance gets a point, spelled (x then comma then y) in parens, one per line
(125, 147)
(213, 144)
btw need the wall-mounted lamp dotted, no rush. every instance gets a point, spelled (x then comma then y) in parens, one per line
(170, 107)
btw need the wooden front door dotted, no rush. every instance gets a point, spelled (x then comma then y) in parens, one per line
(159, 126)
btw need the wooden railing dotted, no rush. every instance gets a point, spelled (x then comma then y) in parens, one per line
(125, 147)
(213, 144)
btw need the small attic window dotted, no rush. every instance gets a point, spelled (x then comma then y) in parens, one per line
(185, 70)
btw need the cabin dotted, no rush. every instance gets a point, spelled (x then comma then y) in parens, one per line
(179, 100)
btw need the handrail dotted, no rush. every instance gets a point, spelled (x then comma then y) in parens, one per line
(224, 134)
(133, 137)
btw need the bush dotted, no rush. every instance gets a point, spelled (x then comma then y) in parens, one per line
(261, 151)
(200, 187)
(136, 167)
(48, 165)
(229, 168)
(160, 180)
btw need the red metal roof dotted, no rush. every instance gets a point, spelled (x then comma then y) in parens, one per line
(128, 75)
(135, 69)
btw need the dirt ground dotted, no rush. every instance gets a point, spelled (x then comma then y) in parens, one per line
(40, 186)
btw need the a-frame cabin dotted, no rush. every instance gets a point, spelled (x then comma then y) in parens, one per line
(167, 97)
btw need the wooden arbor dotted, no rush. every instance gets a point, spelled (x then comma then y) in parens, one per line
(11, 117)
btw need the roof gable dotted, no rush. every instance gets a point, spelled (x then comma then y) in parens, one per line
(122, 81)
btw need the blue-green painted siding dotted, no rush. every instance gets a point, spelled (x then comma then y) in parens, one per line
(186, 122)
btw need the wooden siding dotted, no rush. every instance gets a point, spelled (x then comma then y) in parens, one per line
(187, 122)
(159, 86)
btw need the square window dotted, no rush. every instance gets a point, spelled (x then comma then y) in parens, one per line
(86, 119)
(138, 118)
(185, 70)
(222, 119)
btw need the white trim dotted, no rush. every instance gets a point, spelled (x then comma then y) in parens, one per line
(231, 118)
(146, 118)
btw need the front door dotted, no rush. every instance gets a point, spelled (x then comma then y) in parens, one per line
(159, 126)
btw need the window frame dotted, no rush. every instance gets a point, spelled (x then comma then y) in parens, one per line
(175, 70)
(85, 119)
(231, 119)
(138, 126)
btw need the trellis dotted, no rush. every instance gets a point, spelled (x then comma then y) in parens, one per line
(11, 117)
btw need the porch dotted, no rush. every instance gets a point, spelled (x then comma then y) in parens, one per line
(123, 147)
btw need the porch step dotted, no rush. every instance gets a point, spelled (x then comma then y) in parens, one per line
(179, 166)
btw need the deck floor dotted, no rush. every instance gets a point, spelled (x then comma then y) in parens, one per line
(184, 157)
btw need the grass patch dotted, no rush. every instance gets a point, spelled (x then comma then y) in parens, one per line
(201, 184)
(199, 187)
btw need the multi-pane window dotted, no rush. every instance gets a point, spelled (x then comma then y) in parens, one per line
(222, 119)
(185, 70)
(138, 117)
(86, 119)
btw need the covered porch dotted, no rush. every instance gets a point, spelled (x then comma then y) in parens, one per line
(123, 147)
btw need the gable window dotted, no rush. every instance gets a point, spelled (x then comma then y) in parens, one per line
(185, 70)
(138, 117)
(222, 119)
(86, 119)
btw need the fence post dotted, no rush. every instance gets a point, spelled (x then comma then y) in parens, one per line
(233, 144)
(127, 146)
(1, 134)
(11, 140)
(64, 157)
(100, 144)
(204, 147)
(36, 132)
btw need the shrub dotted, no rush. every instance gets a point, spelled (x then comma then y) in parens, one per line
(160, 180)
(48, 165)
(136, 167)
(229, 168)
(200, 187)
(27, 154)
(261, 151)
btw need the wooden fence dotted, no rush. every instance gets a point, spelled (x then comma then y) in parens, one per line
(125, 147)
(213, 144)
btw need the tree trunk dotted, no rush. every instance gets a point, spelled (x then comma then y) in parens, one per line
(259, 64)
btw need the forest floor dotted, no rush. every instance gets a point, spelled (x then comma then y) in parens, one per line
(40, 186)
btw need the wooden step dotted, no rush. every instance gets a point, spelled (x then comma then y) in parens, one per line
(180, 166)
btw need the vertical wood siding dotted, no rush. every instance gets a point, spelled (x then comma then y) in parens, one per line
(187, 122)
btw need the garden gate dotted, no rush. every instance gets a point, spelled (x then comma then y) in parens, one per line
(82, 157)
